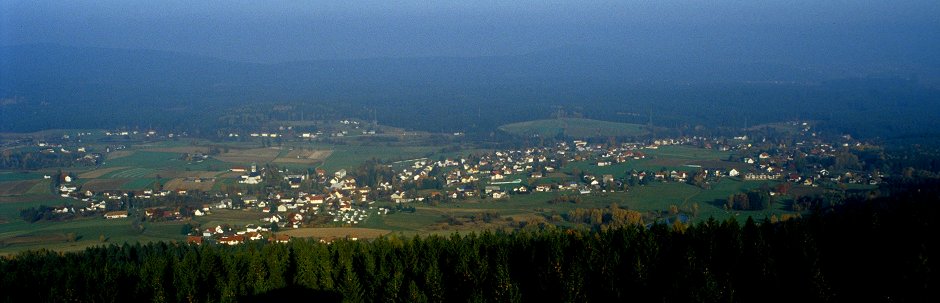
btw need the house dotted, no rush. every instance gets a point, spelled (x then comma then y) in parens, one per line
(490, 189)
(543, 188)
(499, 195)
(194, 240)
(252, 178)
(199, 213)
(232, 240)
(794, 177)
(280, 238)
(253, 236)
(680, 176)
(296, 218)
(346, 204)
(116, 214)
(294, 182)
(733, 173)
(316, 199)
(249, 200)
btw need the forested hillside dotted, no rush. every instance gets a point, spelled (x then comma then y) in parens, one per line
(863, 250)
(50, 86)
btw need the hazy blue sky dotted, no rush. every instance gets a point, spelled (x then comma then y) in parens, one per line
(273, 31)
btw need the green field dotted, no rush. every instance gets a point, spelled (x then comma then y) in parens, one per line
(573, 127)
(19, 176)
(155, 160)
(138, 184)
(684, 152)
(232, 217)
(10, 209)
(136, 172)
(351, 156)
(42, 187)
(87, 232)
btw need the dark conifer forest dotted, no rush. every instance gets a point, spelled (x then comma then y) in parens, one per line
(863, 250)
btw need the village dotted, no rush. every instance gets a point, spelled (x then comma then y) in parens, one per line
(292, 198)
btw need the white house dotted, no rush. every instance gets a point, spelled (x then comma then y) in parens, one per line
(116, 214)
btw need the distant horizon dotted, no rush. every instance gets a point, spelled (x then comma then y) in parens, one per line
(192, 54)
(282, 31)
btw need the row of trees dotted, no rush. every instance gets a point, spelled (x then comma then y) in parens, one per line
(26, 159)
(751, 200)
(840, 256)
(605, 218)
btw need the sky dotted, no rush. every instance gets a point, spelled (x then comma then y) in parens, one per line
(282, 31)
